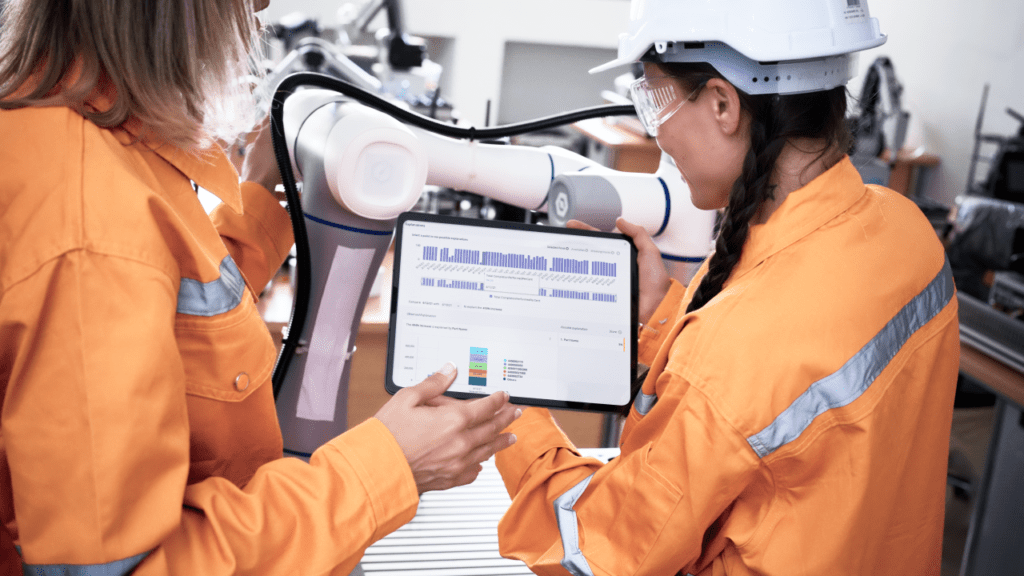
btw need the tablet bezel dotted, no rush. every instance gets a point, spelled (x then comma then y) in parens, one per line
(392, 388)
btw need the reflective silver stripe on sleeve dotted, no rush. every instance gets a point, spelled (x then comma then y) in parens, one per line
(116, 568)
(568, 528)
(853, 378)
(644, 402)
(215, 297)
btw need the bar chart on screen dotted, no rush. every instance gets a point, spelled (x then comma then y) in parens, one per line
(532, 314)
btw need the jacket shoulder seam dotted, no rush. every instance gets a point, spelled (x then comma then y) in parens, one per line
(89, 251)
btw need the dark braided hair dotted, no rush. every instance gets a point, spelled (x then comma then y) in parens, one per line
(774, 121)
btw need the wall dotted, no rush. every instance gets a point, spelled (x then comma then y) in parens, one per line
(943, 51)
(544, 79)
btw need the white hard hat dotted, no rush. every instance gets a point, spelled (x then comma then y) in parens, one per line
(761, 46)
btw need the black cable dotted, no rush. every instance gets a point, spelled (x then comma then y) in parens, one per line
(409, 117)
(300, 304)
(286, 88)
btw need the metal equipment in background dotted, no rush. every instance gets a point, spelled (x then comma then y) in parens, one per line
(880, 125)
(992, 540)
(1004, 179)
(387, 61)
(988, 230)
(986, 253)
(363, 160)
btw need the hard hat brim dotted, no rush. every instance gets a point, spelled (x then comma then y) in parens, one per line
(612, 64)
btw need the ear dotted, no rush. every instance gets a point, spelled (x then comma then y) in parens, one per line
(725, 105)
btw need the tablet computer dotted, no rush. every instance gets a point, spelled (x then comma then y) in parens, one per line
(547, 314)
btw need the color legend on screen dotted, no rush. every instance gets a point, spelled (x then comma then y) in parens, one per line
(477, 366)
(513, 370)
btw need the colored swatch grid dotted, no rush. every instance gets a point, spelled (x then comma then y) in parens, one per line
(477, 366)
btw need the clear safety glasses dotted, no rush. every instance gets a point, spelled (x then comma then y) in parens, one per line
(656, 100)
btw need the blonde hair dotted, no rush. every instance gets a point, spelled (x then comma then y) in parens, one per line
(176, 65)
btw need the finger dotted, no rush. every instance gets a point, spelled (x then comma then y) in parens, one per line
(488, 449)
(482, 410)
(580, 225)
(507, 415)
(442, 401)
(467, 477)
(484, 433)
(435, 384)
(638, 233)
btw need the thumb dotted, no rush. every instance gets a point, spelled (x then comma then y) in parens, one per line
(578, 225)
(638, 233)
(435, 384)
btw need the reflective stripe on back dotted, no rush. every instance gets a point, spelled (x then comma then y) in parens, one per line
(215, 297)
(115, 568)
(568, 529)
(853, 378)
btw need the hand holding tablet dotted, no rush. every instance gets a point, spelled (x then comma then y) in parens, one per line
(546, 314)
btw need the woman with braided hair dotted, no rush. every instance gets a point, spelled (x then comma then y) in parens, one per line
(795, 418)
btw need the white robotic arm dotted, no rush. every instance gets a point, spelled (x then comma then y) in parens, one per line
(376, 167)
(360, 168)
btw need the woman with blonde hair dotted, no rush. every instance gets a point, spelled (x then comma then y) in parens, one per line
(138, 430)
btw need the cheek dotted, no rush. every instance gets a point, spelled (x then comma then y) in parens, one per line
(688, 161)
(677, 149)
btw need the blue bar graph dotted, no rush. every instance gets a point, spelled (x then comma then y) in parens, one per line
(603, 269)
(570, 266)
(457, 284)
(571, 294)
(577, 295)
(519, 261)
(455, 256)
(478, 258)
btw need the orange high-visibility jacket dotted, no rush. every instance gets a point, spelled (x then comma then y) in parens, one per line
(797, 424)
(138, 424)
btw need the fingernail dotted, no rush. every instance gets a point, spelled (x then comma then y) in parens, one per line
(519, 413)
(512, 439)
(448, 369)
(507, 396)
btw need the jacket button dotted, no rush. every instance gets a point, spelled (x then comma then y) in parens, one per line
(241, 381)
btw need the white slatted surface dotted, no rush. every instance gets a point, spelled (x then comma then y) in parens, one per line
(454, 533)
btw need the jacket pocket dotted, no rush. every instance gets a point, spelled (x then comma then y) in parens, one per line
(228, 356)
(643, 514)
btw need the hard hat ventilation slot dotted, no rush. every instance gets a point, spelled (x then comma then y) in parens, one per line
(693, 45)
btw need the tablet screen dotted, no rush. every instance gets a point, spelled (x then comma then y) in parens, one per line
(546, 314)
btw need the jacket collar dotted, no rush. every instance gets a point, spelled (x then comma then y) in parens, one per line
(209, 168)
(804, 211)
